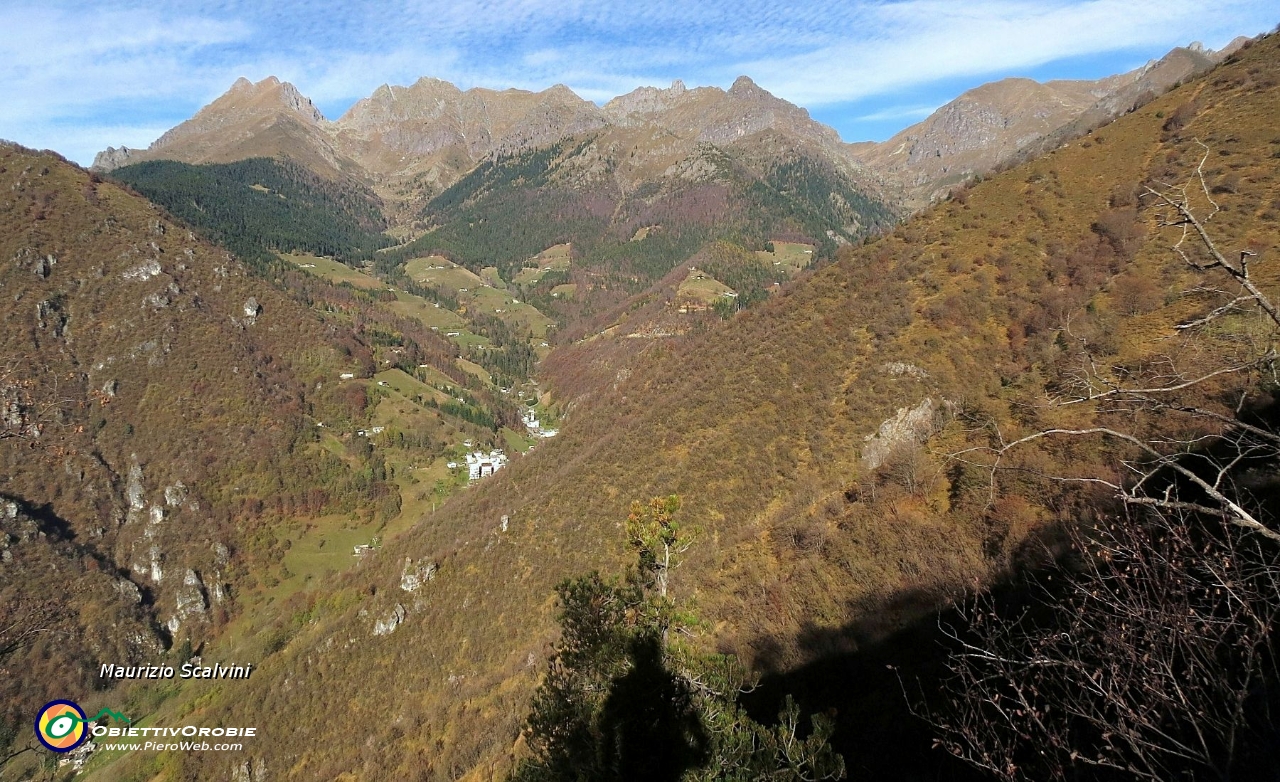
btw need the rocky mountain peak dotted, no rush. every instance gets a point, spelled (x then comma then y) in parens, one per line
(425, 98)
(298, 102)
(246, 99)
(1236, 44)
(644, 100)
(715, 116)
(111, 157)
(250, 119)
(743, 86)
(427, 87)
(562, 92)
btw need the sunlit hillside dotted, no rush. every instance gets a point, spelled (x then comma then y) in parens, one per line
(809, 438)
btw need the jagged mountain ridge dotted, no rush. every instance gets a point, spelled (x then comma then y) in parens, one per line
(430, 125)
(267, 119)
(491, 178)
(411, 143)
(395, 129)
(991, 124)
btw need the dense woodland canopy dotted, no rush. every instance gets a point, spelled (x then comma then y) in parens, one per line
(262, 206)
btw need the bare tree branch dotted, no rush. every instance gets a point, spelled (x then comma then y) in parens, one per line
(1151, 654)
(1177, 198)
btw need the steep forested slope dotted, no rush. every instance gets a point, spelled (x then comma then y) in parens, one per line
(261, 206)
(511, 207)
(159, 409)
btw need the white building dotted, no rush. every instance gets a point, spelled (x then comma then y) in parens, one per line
(482, 465)
(531, 422)
(534, 426)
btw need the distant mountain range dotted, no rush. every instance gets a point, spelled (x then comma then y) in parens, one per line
(636, 188)
(411, 143)
(493, 178)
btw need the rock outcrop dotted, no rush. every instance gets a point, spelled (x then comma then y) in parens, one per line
(111, 158)
(415, 574)
(388, 624)
(908, 425)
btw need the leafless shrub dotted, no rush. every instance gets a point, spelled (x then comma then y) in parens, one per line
(1149, 657)
(1181, 116)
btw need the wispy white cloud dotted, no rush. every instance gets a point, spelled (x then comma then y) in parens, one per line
(898, 113)
(72, 71)
(69, 76)
(918, 41)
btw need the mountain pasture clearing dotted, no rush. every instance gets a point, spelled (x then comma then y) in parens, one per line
(790, 256)
(552, 259)
(334, 271)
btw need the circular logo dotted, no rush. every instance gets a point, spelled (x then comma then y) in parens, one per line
(61, 726)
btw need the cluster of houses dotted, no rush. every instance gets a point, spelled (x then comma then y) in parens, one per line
(482, 465)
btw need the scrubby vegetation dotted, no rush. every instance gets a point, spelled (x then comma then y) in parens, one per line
(624, 699)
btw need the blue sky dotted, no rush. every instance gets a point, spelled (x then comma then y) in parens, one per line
(78, 76)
